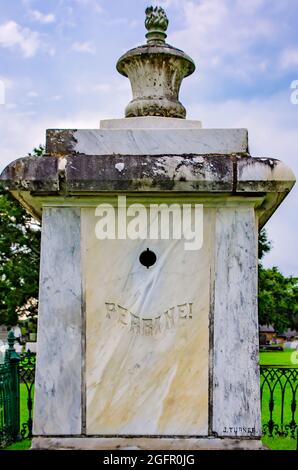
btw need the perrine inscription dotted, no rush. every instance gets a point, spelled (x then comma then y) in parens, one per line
(149, 326)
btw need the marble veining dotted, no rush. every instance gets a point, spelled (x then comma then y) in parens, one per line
(57, 404)
(149, 122)
(141, 381)
(236, 387)
(160, 141)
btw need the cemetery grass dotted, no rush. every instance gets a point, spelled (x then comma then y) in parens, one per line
(278, 358)
(26, 443)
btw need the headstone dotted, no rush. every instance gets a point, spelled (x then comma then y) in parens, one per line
(3, 333)
(147, 340)
(3, 347)
(31, 346)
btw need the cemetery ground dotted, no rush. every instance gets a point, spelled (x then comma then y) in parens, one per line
(25, 443)
(278, 358)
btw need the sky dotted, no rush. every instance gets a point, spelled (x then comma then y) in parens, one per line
(57, 70)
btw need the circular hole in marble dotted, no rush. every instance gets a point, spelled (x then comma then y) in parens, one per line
(147, 258)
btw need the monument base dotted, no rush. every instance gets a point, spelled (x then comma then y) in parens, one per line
(144, 443)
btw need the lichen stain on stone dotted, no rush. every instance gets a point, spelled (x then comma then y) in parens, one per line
(62, 164)
(120, 166)
(60, 142)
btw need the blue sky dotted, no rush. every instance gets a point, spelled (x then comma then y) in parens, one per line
(57, 62)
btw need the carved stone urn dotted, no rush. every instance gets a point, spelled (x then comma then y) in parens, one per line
(155, 71)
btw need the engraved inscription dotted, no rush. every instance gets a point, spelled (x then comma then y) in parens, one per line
(147, 326)
(240, 430)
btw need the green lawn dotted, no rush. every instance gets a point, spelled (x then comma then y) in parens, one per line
(26, 443)
(277, 358)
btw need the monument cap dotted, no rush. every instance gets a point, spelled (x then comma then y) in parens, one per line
(155, 71)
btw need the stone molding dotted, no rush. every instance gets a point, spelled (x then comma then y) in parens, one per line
(34, 180)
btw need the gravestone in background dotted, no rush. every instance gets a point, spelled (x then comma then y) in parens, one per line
(158, 352)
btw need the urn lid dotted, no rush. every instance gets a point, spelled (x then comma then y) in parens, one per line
(155, 71)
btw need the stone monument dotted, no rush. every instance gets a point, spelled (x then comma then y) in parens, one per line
(147, 341)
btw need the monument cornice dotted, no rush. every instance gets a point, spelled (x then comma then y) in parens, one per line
(70, 179)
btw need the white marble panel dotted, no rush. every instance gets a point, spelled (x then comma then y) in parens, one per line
(57, 403)
(160, 141)
(147, 335)
(236, 389)
(149, 122)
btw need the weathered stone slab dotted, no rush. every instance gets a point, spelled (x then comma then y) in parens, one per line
(143, 443)
(149, 173)
(146, 141)
(263, 174)
(32, 180)
(236, 387)
(150, 122)
(151, 375)
(32, 174)
(57, 404)
(220, 173)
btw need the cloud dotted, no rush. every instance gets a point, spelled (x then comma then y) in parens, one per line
(118, 87)
(55, 98)
(102, 87)
(94, 4)
(86, 46)
(13, 35)
(8, 82)
(32, 94)
(166, 3)
(50, 50)
(2, 93)
(289, 58)
(19, 135)
(5, 84)
(41, 17)
(234, 37)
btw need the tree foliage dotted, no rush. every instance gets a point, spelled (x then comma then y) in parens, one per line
(278, 295)
(264, 245)
(19, 258)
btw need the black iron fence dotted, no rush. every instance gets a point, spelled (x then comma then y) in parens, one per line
(9, 394)
(17, 375)
(27, 378)
(279, 394)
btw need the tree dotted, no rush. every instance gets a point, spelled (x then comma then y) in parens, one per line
(19, 258)
(264, 245)
(278, 295)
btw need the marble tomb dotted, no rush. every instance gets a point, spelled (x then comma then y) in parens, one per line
(158, 354)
